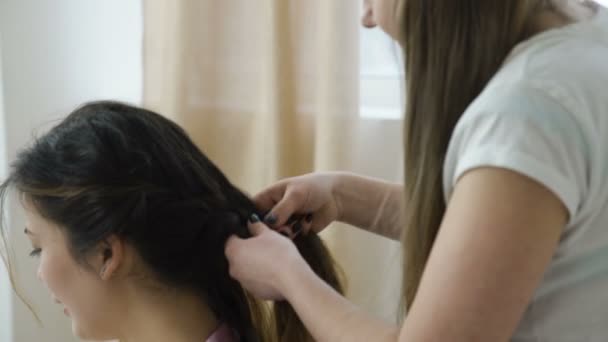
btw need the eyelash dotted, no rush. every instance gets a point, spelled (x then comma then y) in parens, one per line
(35, 253)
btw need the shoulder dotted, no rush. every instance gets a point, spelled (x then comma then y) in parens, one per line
(568, 63)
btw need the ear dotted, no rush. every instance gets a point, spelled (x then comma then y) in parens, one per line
(112, 255)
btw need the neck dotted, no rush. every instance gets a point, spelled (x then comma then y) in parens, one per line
(152, 315)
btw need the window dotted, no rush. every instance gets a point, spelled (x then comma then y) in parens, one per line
(381, 89)
(381, 92)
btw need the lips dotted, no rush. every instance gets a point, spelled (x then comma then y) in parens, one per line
(65, 309)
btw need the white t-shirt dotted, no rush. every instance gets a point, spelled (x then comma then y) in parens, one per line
(545, 115)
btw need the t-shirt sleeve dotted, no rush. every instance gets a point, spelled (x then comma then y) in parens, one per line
(527, 131)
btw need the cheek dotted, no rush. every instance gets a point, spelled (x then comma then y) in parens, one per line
(54, 273)
(384, 13)
(80, 291)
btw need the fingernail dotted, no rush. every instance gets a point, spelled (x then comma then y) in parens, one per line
(102, 271)
(270, 219)
(308, 218)
(254, 218)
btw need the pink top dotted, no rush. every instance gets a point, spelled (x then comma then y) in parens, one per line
(222, 334)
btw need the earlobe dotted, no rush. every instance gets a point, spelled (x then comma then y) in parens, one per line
(102, 272)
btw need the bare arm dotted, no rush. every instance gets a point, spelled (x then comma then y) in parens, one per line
(370, 204)
(497, 238)
(324, 197)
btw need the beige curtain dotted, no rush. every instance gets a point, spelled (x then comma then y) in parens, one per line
(269, 89)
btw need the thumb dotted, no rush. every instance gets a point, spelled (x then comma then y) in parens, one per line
(256, 227)
(231, 246)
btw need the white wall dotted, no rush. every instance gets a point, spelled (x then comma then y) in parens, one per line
(5, 299)
(56, 55)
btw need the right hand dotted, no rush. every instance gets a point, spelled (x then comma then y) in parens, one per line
(311, 195)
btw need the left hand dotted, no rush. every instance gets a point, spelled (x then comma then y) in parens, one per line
(261, 263)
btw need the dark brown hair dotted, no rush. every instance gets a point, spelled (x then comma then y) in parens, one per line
(114, 169)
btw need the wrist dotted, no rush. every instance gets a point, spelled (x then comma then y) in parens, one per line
(291, 277)
(337, 184)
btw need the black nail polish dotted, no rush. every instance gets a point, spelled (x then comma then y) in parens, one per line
(270, 219)
(308, 218)
(254, 218)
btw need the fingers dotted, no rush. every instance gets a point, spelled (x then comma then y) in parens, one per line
(256, 227)
(278, 202)
(267, 198)
(232, 245)
(282, 211)
(282, 202)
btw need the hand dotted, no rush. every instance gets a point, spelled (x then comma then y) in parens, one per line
(262, 262)
(310, 195)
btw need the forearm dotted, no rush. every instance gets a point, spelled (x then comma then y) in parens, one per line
(340, 320)
(370, 204)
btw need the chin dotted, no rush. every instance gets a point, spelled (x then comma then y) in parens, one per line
(87, 334)
(80, 333)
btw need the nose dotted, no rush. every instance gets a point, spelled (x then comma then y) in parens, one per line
(367, 18)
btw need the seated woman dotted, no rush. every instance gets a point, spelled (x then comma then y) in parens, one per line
(129, 220)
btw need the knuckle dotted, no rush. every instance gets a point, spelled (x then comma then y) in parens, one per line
(231, 248)
(298, 193)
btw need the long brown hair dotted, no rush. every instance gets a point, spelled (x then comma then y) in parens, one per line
(451, 49)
